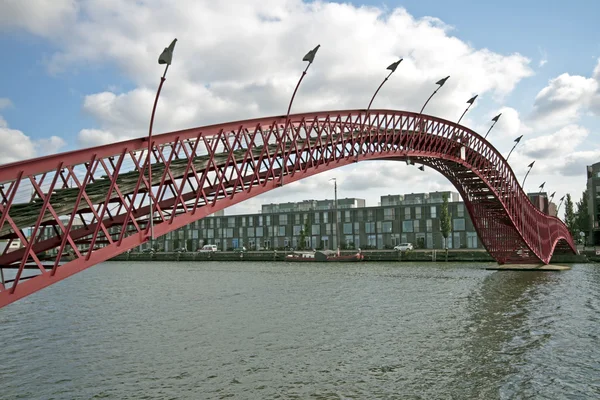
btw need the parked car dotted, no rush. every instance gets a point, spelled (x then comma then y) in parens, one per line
(404, 247)
(208, 248)
(240, 249)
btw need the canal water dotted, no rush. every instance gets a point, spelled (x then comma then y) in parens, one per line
(305, 331)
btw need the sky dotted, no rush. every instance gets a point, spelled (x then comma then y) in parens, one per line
(77, 74)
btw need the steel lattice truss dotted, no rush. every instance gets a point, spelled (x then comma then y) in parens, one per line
(77, 209)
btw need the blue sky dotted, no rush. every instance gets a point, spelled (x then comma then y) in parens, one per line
(69, 75)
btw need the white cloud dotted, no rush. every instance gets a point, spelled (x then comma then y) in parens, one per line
(17, 146)
(241, 59)
(41, 17)
(565, 98)
(98, 137)
(562, 142)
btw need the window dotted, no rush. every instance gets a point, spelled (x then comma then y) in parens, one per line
(281, 231)
(210, 233)
(407, 226)
(194, 234)
(428, 225)
(316, 229)
(458, 224)
(372, 241)
(328, 229)
(283, 219)
(211, 223)
(268, 220)
(201, 224)
(369, 227)
(406, 212)
(244, 222)
(229, 232)
(231, 222)
(359, 215)
(386, 227)
(317, 218)
(259, 231)
(356, 228)
(418, 212)
(250, 221)
(347, 216)
(471, 240)
(430, 240)
(416, 225)
(260, 221)
(250, 232)
(456, 240)
(460, 210)
(433, 211)
(389, 213)
(325, 217)
(370, 215)
(297, 218)
(297, 230)
(348, 229)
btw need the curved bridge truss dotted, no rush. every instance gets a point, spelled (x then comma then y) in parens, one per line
(73, 210)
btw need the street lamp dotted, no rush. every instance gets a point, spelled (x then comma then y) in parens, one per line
(440, 83)
(392, 68)
(470, 102)
(528, 171)
(310, 57)
(495, 119)
(517, 140)
(337, 231)
(560, 204)
(165, 58)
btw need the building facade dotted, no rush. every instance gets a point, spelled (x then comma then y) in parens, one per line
(593, 190)
(413, 218)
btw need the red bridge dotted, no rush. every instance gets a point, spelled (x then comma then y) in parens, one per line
(73, 210)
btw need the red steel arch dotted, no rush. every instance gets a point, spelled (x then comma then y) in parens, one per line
(73, 210)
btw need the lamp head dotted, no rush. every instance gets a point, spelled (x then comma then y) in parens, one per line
(392, 67)
(442, 81)
(472, 99)
(310, 56)
(422, 168)
(531, 165)
(496, 118)
(517, 140)
(167, 55)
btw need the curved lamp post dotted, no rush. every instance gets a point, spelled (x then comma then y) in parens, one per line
(310, 57)
(470, 102)
(528, 171)
(495, 119)
(392, 68)
(560, 204)
(541, 188)
(517, 140)
(165, 58)
(440, 83)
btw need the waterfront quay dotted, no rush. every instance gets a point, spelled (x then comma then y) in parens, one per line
(434, 255)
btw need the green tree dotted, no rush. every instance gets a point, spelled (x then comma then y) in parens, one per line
(582, 217)
(570, 216)
(445, 223)
(303, 233)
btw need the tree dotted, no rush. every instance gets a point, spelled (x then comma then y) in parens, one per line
(570, 215)
(445, 220)
(582, 217)
(303, 233)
